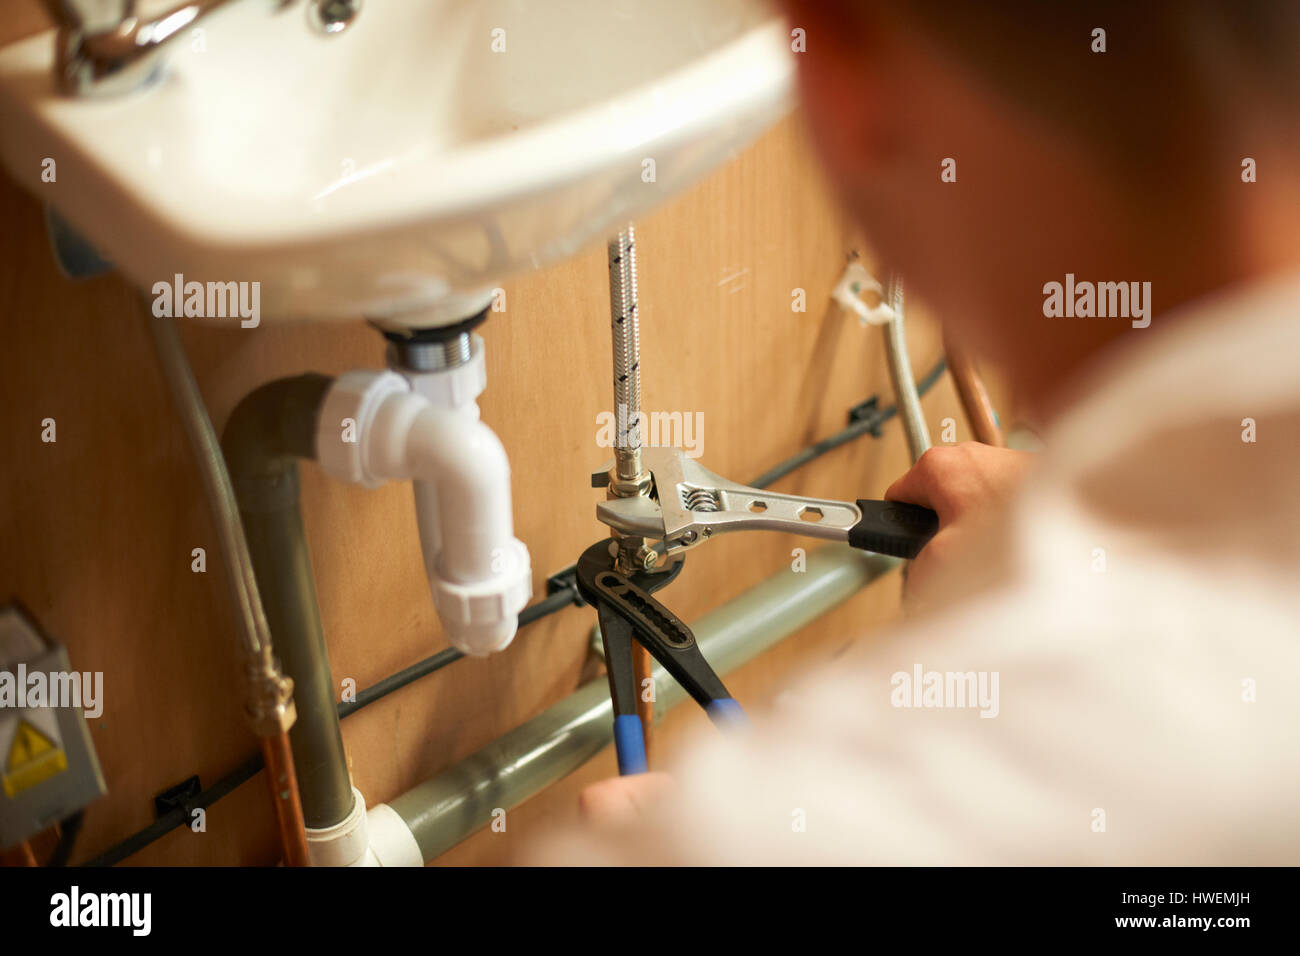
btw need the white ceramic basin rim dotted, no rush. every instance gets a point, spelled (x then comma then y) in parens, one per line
(408, 164)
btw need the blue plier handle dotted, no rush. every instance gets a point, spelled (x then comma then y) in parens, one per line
(628, 613)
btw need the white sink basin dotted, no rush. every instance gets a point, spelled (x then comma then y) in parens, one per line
(400, 169)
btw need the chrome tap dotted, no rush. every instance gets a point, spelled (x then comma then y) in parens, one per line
(104, 49)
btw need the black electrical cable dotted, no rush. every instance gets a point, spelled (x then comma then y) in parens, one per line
(180, 816)
(868, 424)
(556, 601)
(68, 831)
(559, 599)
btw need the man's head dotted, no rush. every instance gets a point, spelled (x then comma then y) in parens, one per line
(1114, 156)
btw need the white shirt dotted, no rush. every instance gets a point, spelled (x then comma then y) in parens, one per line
(1140, 608)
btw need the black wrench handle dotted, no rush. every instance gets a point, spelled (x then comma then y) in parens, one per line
(893, 527)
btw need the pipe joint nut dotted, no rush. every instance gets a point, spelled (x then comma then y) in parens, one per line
(455, 386)
(481, 618)
(343, 426)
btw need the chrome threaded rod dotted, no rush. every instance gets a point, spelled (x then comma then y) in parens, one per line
(628, 476)
(423, 355)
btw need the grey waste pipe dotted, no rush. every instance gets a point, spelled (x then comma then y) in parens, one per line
(446, 809)
(269, 430)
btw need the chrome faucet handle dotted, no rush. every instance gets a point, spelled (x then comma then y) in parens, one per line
(104, 49)
(90, 16)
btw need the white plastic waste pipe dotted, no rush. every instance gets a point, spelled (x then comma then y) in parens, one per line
(466, 464)
(374, 428)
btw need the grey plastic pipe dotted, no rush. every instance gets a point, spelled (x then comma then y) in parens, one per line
(446, 809)
(269, 430)
(900, 372)
(255, 635)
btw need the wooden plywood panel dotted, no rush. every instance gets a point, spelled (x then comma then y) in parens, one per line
(98, 528)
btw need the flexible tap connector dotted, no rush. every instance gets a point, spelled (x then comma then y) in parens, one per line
(374, 428)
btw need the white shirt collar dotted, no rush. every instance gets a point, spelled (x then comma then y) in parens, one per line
(1237, 350)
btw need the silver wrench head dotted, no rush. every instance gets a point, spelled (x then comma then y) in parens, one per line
(693, 504)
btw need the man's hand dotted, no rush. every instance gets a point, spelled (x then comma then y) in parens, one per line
(619, 802)
(962, 484)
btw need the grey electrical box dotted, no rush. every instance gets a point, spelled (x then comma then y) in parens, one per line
(48, 768)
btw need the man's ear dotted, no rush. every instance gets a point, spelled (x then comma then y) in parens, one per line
(841, 61)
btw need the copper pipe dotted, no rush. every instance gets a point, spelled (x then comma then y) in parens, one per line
(20, 855)
(974, 396)
(643, 665)
(270, 707)
(283, 781)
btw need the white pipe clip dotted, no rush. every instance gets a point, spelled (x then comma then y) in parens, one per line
(848, 294)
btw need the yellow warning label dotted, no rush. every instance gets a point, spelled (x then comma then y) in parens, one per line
(33, 758)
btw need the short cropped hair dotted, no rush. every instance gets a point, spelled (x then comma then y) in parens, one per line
(1170, 90)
